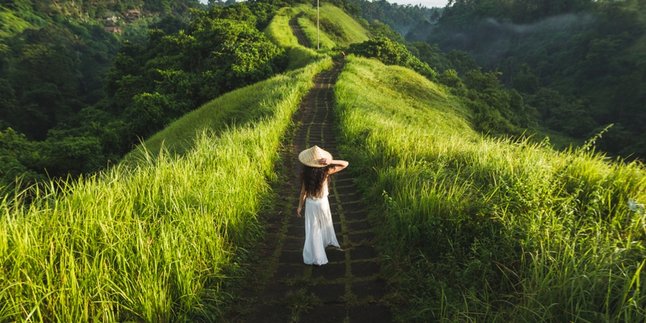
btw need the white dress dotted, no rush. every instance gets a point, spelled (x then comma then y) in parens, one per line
(319, 230)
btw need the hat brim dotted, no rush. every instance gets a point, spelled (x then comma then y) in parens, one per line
(313, 165)
(310, 157)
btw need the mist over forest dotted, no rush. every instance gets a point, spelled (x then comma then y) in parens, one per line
(149, 159)
(82, 83)
(578, 64)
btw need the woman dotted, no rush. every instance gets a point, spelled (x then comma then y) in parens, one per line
(319, 230)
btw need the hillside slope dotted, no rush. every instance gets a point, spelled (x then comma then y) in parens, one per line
(471, 228)
(489, 229)
(337, 28)
(280, 33)
(580, 64)
(154, 240)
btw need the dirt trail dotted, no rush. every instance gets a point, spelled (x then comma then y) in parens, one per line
(298, 32)
(349, 288)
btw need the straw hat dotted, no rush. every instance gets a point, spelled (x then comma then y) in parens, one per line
(311, 156)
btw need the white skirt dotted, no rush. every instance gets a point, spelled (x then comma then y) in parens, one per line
(319, 231)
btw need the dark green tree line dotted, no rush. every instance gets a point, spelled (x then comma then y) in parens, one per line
(74, 98)
(577, 63)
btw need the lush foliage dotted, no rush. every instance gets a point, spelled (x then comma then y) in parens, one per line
(50, 70)
(517, 10)
(472, 228)
(90, 9)
(158, 239)
(579, 63)
(402, 18)
(281, 34)
(490, 229)
(392, 53)
(496, 110)
(82, 97)
(181, 68)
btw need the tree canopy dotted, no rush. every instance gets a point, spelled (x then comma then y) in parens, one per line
(74, 96)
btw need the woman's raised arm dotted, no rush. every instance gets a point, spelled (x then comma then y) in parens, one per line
(339, 165)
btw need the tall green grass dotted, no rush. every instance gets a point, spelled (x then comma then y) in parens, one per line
(337, 28)
(481, 229)
(236, 108)
(309, 29)
(281, 34)
(156, 240)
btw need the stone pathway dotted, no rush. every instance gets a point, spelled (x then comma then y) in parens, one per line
(350, 287)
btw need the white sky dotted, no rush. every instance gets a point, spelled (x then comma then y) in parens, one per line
(426, 3)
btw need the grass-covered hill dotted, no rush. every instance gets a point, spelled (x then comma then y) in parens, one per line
(471, 228)
(157, 239)
(578, 63)
(489, 229)
(337, 30)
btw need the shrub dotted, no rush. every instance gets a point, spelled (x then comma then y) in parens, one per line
(391, 53)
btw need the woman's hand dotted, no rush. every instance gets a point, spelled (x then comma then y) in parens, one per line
(324, 161)
(298, 211)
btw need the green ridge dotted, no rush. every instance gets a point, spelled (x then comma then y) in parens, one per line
(281, 34)
(229, 111)
(157, 240)
(472, 228)
(489, 229)
(337, 28)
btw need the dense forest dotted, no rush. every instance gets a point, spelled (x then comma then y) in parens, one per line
(402, 18)
(461, 209)
(81, 82)
(578, 64)
(496, 109)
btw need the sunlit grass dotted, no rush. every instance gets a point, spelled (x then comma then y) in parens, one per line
(481, 229)
(337, 28)
(278, 29)
(309, 29)
(12, 24)
(281, 34)
(350, 30)
(155, 240)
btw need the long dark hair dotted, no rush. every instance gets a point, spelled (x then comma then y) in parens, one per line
(313, 179)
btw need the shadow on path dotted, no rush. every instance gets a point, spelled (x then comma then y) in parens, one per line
(298, 32)
(350, 287)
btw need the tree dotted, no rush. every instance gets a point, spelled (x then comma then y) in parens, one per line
(74, 155)
(16, 155)
(525, 80)
(7, 99)
(393, 53)
(450, 78)
(148, 113)
(67, 86)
